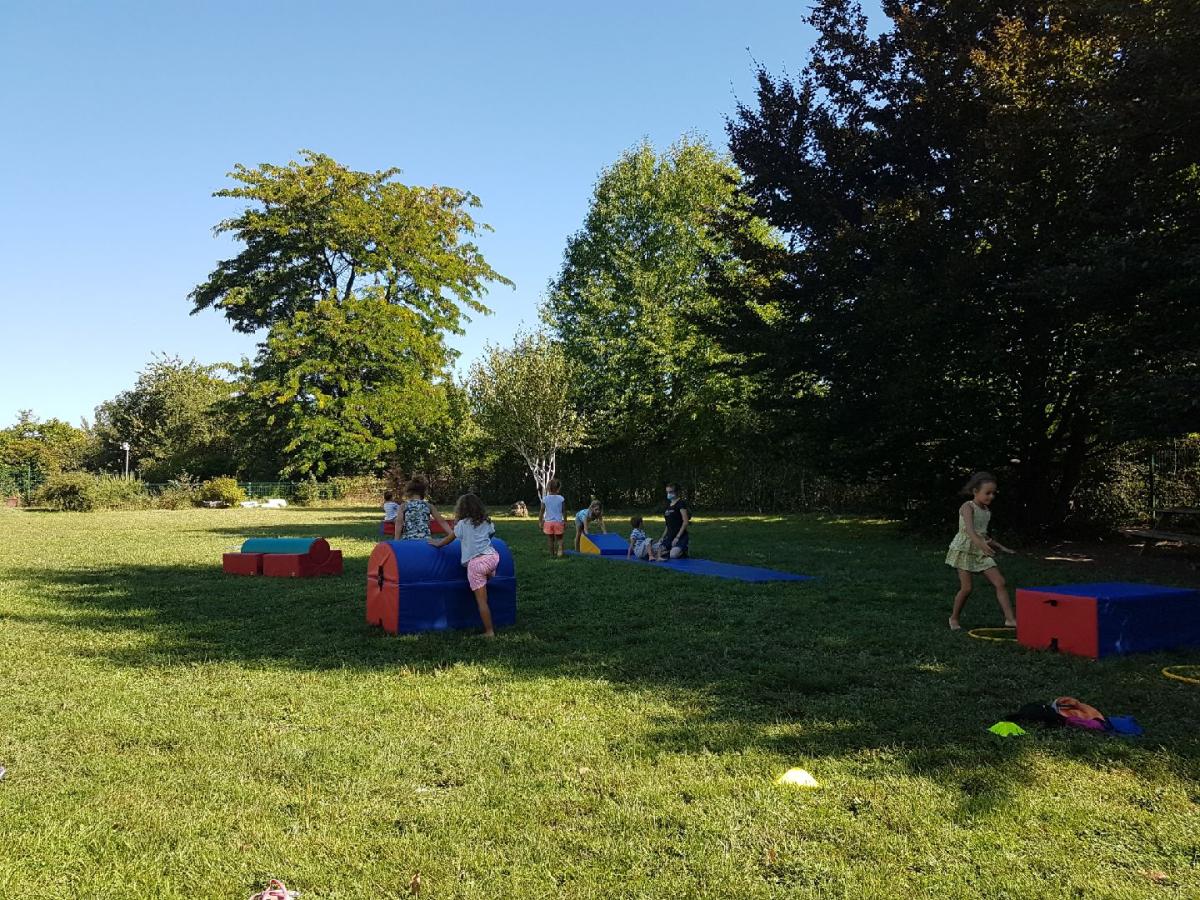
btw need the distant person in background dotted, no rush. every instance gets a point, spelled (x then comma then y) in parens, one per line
(589, 521)
(391, 509)
(676, 535)
(552, 516)
(417, 513)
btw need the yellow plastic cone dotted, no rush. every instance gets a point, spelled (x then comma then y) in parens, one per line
(798, 777)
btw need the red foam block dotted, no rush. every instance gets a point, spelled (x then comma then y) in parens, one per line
(301, 565)
(242, 563)
(1064, 622)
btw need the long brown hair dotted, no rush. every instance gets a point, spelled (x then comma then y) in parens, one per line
(471, 507)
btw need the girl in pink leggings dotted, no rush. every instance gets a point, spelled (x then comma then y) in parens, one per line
(474, 531)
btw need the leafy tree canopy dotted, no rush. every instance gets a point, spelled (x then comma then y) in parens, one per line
(316, 230)
(521, 397)
(358, 278)
(993, 224)
(173, 419)
(341, 388)
(44, 446)
(633, 286)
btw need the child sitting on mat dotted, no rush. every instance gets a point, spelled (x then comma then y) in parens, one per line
(589, 521)
(474, 530)
(639, 541)
(417, 513)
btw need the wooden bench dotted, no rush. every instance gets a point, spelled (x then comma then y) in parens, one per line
(1172, 537)
(1160, 534)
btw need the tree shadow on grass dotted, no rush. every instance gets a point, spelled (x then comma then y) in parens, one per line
(786, 669)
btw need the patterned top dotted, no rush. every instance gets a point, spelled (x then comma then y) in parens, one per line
(638, 538)
(416, 521)
(963, 553)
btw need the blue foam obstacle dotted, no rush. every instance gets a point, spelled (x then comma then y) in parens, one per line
(1108, 618)
(690, 566)
(603, 545)
(413, 586)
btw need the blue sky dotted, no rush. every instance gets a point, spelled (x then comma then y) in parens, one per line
(122, 118)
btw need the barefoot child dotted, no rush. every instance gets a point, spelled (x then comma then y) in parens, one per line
(589, 521)
(639, 541)
(417, 512)
(474, 531)
(973, 551)
(551, 517)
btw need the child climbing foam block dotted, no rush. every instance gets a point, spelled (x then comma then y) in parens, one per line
(413, 586)
(1108, 618)
(603, 544)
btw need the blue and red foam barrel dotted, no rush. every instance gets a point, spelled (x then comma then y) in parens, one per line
(413, 586)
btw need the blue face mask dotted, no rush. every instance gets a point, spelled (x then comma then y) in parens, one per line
(670, 497)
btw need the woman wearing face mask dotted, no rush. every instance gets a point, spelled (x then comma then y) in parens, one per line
(674, 542)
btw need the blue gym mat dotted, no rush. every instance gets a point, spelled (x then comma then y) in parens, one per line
(708, 567)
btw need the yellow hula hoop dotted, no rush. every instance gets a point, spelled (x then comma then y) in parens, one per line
(981, 635)
(1169, 674)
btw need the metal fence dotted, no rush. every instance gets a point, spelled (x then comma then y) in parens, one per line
(20, 482)
(1173, 478)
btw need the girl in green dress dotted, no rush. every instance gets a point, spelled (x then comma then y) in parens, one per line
(973, 551)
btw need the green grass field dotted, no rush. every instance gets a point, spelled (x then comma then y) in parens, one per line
(173, 732)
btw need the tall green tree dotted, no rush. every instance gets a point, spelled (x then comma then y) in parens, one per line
(992, 216)
(633, 287)
(341, 389)
(175, 420)
(357, 278)
(32, 448)
(521, 398)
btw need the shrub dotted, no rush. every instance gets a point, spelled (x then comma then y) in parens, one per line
(354, 488)
(178, 494)
(83, 491)
(306, 492)
(224, 489)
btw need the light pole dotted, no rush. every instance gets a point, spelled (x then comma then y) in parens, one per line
(125, 447)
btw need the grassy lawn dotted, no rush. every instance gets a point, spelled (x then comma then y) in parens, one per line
(173, 732)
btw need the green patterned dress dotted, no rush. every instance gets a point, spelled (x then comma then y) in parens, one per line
(963, 554)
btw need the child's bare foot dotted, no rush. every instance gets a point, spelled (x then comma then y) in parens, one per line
(1010, 623)
(488, 634)
(954, 626)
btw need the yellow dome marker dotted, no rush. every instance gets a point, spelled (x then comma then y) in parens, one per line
(798, 777)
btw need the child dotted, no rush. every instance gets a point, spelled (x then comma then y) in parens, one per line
(474, 531)
(417, 512)
(586, 520)
(550, 517)
(639, 541)
(972, 550)
(391, 509)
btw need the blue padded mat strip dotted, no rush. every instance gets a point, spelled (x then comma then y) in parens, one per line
(709, 567)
